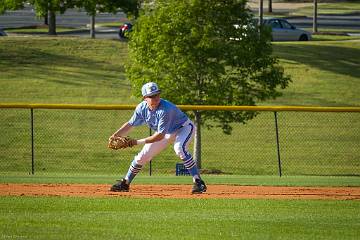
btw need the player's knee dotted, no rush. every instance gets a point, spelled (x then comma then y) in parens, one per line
(179, 151)
(141, 160)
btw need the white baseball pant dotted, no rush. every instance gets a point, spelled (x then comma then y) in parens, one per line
(181, 139)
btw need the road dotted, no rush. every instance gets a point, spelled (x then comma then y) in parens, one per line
(71, 18)
(349, 23)
(75, 18)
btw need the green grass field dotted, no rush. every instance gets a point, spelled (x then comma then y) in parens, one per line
(63, 70)
(122, 218)
(340, 7)
(72, 70)
(323, 73)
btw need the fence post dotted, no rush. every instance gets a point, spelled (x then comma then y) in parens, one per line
(277, 143)
(32, 141)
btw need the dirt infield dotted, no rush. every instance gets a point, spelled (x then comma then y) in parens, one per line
(182, 191)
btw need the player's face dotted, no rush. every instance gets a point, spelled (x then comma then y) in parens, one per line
(153, 101)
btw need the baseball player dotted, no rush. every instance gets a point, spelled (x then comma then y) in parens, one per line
(170, 124)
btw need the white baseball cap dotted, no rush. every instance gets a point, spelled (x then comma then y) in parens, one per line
(150, 89)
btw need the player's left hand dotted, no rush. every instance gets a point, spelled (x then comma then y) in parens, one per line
(120, 142)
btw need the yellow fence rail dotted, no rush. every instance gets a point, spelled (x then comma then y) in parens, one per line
(183, 107)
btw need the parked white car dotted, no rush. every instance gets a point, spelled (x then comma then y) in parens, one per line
(282, 30)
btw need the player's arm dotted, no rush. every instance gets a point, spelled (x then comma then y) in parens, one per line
(123, 130)
(151, 139)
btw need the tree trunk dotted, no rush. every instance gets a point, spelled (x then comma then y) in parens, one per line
(52, 23)
(270, 6)
(46, 19)
(197, 139)
(92, 26)
(261, 12)
(315, 29)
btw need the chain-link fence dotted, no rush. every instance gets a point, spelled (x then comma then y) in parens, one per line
(74, 141)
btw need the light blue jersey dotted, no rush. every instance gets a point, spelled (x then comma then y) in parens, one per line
(166, 118)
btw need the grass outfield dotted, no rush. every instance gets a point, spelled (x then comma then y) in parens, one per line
(63, 70)
(74, 70)
(122, 218)
(324, 73)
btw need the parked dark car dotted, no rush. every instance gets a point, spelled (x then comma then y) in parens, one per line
(124, 30)
(2, 33)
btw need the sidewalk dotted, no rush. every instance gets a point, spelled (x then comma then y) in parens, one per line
(282, 7)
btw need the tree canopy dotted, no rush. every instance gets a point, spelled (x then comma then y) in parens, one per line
(205, 52)
(10, 5)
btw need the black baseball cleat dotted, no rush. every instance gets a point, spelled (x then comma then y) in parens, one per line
(120, 186)
(199, 186)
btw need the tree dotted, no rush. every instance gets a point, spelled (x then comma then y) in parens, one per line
(261, 11)
(50, 8)
(43, 8)
(270, 6)
(315, 25)
(10, 5)
(205, 52)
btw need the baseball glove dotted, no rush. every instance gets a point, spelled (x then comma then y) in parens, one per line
(120, 142)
